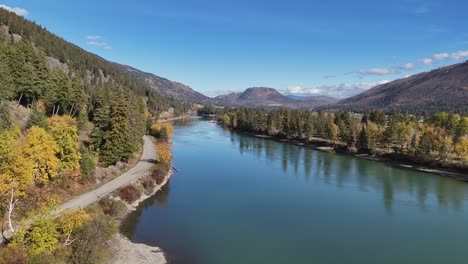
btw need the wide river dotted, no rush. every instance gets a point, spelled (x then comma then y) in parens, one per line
(245, 200)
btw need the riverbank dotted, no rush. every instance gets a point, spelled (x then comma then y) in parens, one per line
(124, 251)
(174, 119)
(323, 145)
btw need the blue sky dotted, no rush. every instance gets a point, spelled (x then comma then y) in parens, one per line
(319, 47)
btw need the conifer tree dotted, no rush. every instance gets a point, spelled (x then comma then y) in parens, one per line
(117, 145)
(37, 117)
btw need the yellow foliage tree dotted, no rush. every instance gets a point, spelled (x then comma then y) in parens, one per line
(41, 149)
(65, 134)
(70, 221)
(15, 171)
(461, 148)
(162, 130)
(42, 236)
(163, 149)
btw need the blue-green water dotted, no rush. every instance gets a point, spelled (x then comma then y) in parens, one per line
(244, 200)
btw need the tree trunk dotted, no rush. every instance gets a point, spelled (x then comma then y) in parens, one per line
(11, 206)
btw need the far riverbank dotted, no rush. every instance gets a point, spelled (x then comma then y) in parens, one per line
(322, 145)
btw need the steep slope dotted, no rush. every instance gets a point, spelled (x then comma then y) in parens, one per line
(443, 89)
(89, 68)
(166, 87)
(270, 98)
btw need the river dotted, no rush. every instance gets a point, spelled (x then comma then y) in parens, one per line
(245, 200)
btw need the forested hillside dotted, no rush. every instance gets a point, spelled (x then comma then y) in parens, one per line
(68, 120)
(443, 89)
(87, 69)
(166, 87)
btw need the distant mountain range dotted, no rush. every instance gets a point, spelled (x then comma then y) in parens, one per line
(167, 87)
(271, 98)
(443, 89)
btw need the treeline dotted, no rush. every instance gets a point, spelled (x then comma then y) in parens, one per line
(440, 138)
(88, 70)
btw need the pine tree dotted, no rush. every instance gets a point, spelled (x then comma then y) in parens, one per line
(6, 121)
(117, 145)
(101, 119)
(37, 117)
(7, 90)
(363, 141)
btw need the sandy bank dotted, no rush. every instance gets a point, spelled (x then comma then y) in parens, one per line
(123, 251)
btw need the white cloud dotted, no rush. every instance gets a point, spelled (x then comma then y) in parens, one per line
(19, 11)
(339, 91)
(101, 44)
(408, 66)
(93, 37)
(459, 54)
(97, 43)
(377, 71)
(427, 61)
(440, 56)
(299, 90)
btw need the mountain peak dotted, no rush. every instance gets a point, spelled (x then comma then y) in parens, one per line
(270, 98)
(256, 93)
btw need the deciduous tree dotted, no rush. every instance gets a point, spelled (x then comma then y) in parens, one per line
(41, 149)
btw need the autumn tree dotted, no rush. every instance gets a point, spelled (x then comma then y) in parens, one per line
(42, 236)
(461, 148)
(70, 221)
(162, 131)
(65, 134)
(16, 172)
(41, 149)
(426, 144)
(331, 130)
(163, 150)
(378, 117)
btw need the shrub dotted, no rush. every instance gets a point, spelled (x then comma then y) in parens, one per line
(162, 131)
(90, 244)
(129, 193)
(149, 183)
(164, 152)
(13, 254)
(112, 207)
(159, 172)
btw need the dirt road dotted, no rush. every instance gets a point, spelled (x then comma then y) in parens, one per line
(144, 165)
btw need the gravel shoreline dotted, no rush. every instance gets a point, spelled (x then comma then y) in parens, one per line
(124, 251)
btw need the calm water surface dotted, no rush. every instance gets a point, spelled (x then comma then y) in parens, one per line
(245, 200)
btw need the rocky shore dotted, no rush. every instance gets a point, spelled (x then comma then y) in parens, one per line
(124, 251)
